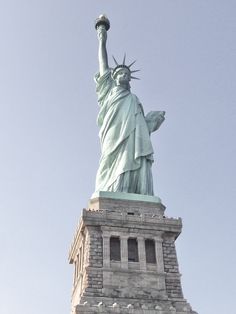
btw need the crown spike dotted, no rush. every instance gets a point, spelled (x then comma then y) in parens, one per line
(131, 64)
(115, 60)
(135, 78)
(135, 71)
(124, 59)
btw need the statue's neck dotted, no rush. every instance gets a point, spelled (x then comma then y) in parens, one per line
(124, 85)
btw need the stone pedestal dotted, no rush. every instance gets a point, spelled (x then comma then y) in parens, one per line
(125, 259)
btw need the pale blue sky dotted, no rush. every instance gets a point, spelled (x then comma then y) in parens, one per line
(50, 148)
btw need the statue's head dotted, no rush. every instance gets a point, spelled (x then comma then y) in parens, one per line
(122, 74)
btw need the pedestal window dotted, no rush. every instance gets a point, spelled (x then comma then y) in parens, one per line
(133, 250)
(115, 249)
(150, 251)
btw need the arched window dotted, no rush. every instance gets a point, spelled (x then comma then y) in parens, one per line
(115, 249)
(150, 251)
(132, 250)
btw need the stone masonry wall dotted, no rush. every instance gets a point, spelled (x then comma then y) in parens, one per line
(173, 284)
(94, 246)
(92, 282)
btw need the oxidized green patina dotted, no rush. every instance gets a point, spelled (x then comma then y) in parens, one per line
(126, 149)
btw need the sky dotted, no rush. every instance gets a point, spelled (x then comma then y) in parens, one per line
(50, 148)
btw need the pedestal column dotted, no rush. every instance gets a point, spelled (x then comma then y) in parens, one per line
(106, 250)
(160, 262)
(124, 252)
(142, 253)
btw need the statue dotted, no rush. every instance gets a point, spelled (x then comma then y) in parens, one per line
(126, 149)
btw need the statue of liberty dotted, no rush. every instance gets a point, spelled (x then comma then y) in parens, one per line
(126, 149)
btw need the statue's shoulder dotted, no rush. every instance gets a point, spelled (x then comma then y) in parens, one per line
(104, 77)
(135, 97)
(104, 84)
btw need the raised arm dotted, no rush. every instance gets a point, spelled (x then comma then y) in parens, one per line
(102, 50)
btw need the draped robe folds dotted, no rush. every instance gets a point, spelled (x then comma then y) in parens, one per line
(126, 149)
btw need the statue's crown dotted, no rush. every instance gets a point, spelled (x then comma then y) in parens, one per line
(124, 66)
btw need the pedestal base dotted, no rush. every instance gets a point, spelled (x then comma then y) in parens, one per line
(125, 259)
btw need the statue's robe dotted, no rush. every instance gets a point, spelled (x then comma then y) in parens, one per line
(126, 149)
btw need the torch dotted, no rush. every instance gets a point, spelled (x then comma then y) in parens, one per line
(102, 20)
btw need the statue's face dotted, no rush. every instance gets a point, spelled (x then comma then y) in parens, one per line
(122, 77)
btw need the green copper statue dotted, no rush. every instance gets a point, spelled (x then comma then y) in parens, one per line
(126, 149)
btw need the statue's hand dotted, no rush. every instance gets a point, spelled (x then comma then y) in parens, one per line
(154, 119)
(102, 33)
(162, 114)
